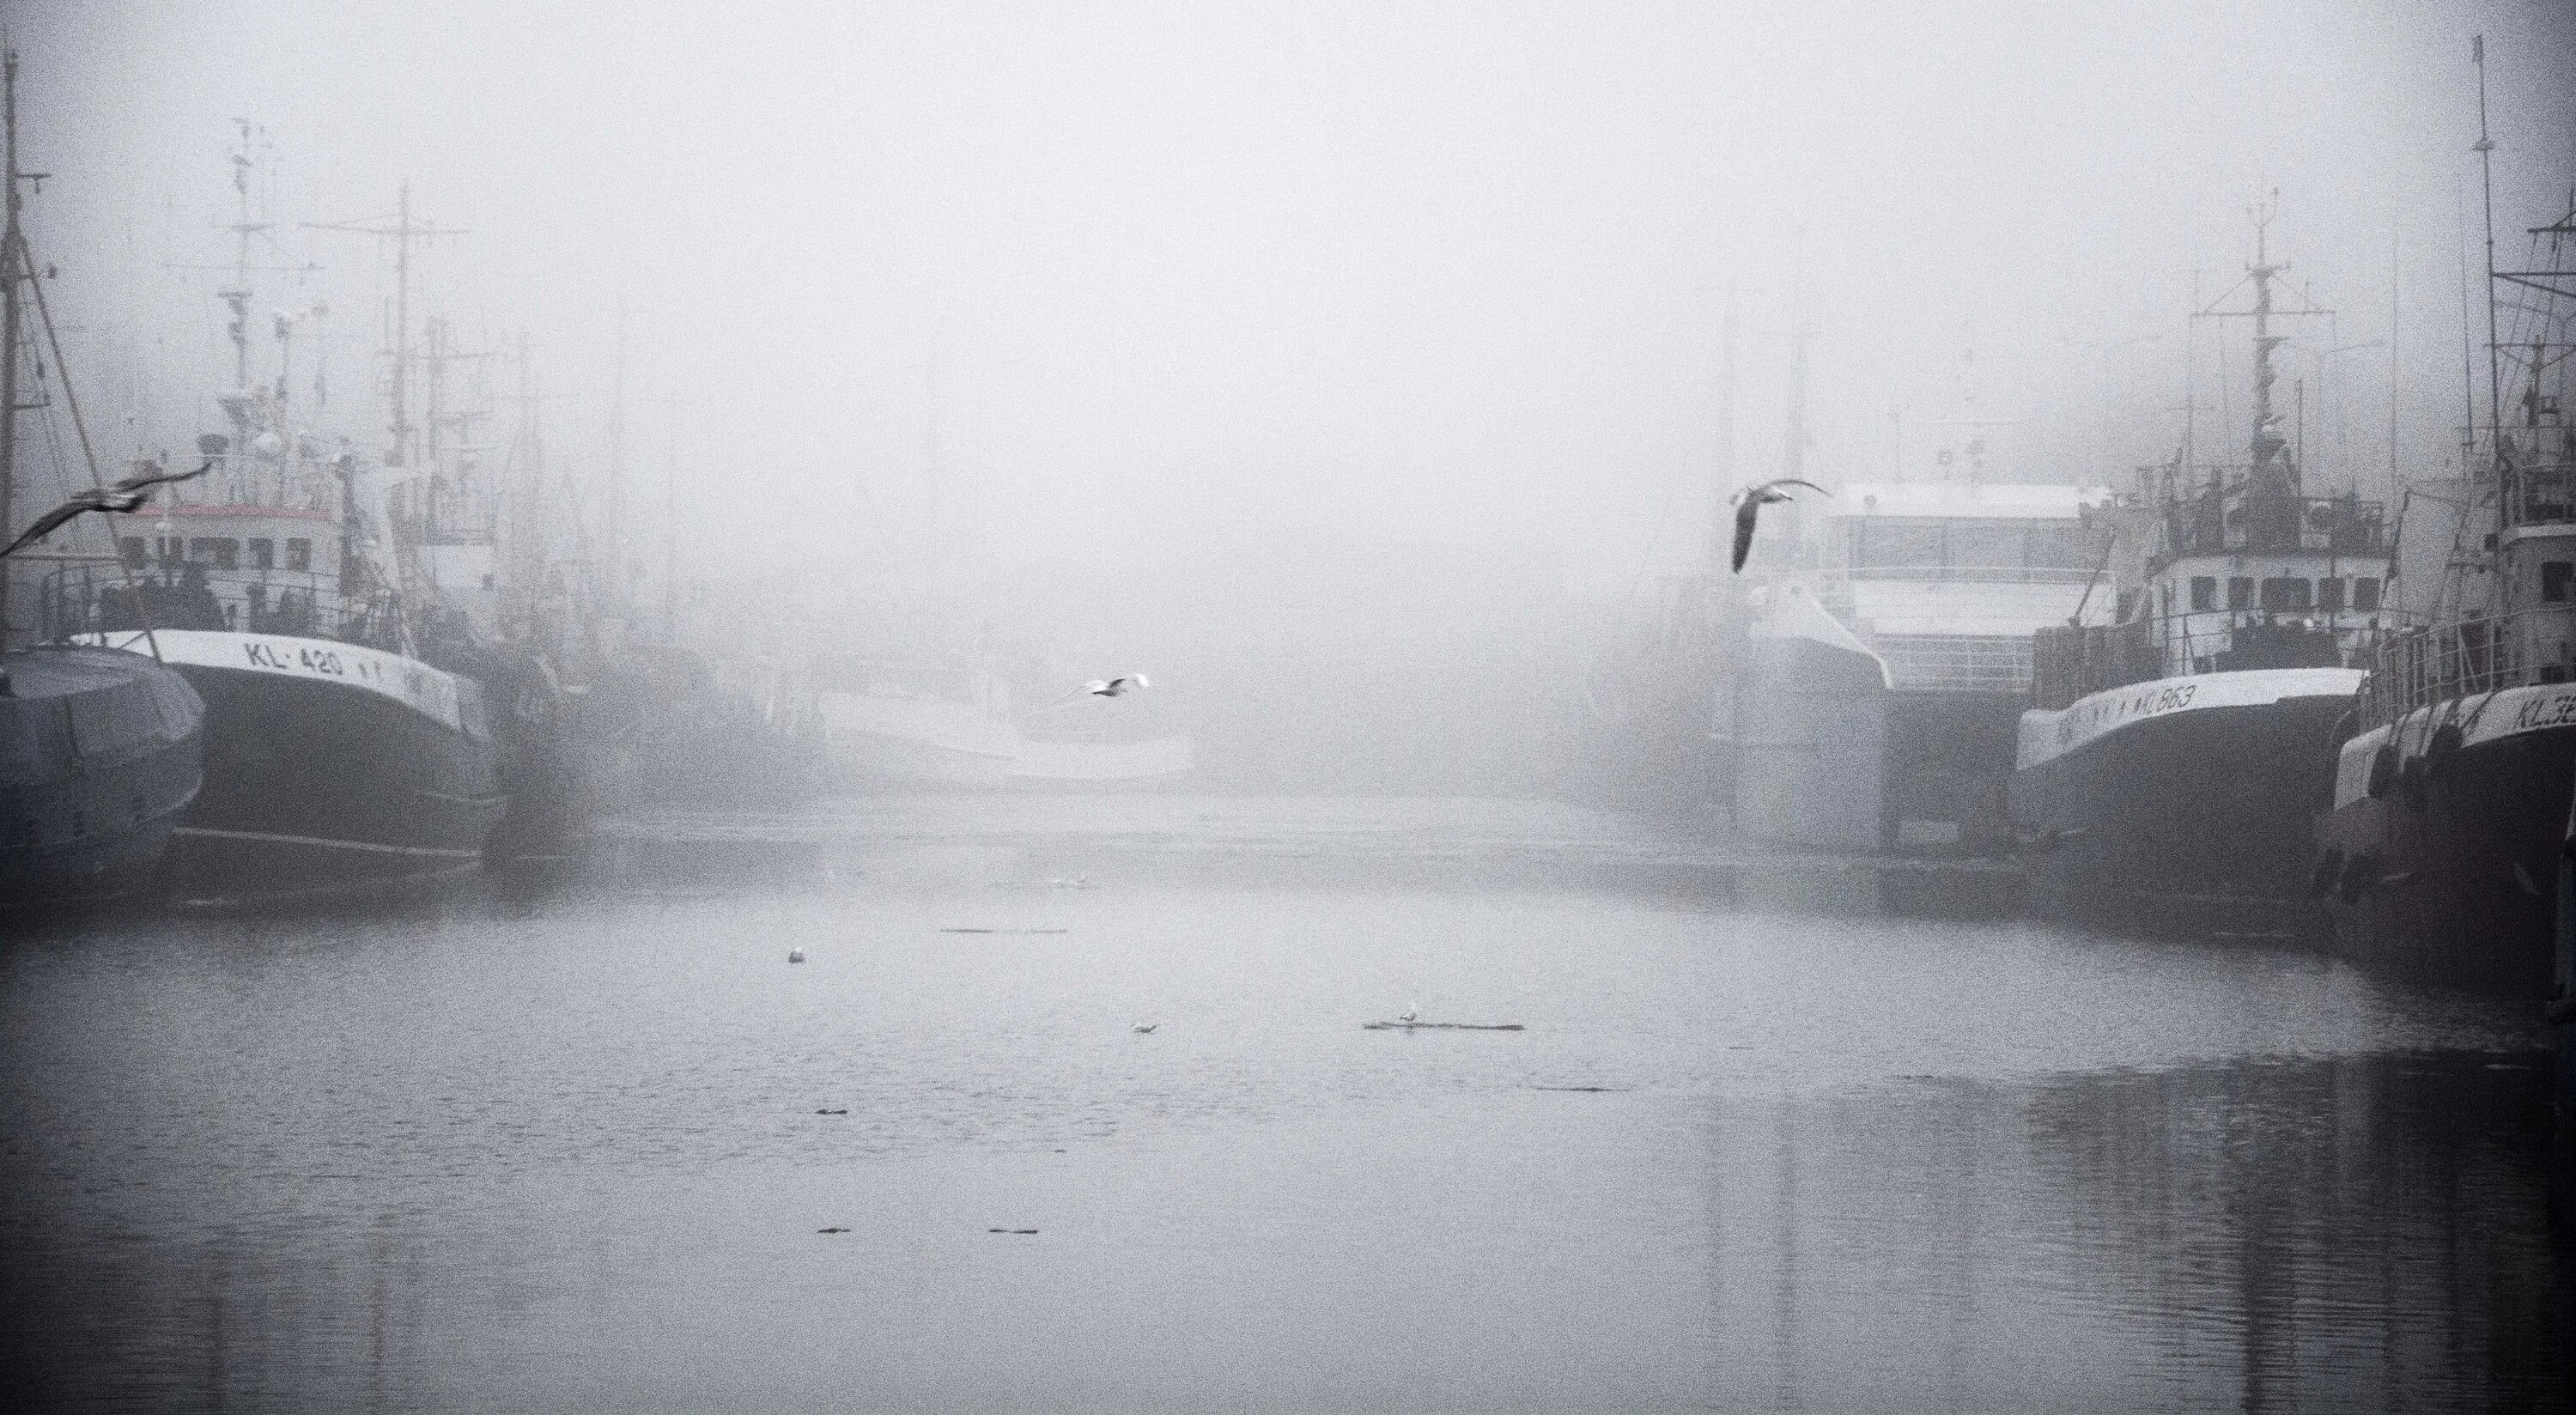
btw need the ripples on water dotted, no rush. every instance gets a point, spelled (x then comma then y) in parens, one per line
(560, 1148)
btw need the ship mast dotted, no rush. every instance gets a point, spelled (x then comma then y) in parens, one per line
(1721, 524)
(11, 264)
(2275, 474)
(2485, 150)
(403, 232)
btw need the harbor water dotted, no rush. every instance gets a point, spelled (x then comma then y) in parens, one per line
(1773, 1136)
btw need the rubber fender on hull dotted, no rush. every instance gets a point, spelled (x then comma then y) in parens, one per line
(2328, 872)
(2359, 874)
(2446, 741)
(2383, 770)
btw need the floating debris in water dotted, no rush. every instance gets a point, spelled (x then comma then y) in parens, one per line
(843, 1111)
(1010, 1230)
(1006, 931)
(1584, 1090)
(1444, 1026)
(831, 1230)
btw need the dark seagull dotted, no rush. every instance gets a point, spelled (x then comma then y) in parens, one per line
(1749, 503)
(126, 496)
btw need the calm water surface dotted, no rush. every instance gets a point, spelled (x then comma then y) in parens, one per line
(1765, 1143)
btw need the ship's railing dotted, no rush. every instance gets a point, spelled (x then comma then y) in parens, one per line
(1965, 574)
(2071, 663)
(2223, 640)
(96, 599)
(1956, 663)
(2429, 663)
(2208, 520)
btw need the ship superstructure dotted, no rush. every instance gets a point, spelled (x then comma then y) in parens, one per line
(1885, 673)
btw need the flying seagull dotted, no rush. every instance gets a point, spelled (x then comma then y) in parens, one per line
(1749, 503)
(126, 496)
(1117, 687)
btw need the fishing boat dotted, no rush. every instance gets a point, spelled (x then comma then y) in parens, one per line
(919, 723)
(2173, 756)
(337, 760)
(99, 750)
(2439, 854)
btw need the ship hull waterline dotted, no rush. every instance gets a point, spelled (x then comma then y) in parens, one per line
(2449, 873)
(2199, 817)
(331, 770)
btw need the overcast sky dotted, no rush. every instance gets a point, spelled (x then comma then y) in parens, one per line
(1188, 272)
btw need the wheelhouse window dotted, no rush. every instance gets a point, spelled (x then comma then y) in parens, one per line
(2555, 578)
(2240, 592)
(299, 554)
(2330, 593)
(222, 552)
(263, 553)
(2285, 594)
(2204, 592)
(1896, 545)
(1985, 547)
(2365, 593)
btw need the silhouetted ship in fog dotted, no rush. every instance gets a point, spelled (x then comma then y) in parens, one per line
(1884, 678)
(336, 759)
(2175, 758)
(957, 722)
(2450, 806)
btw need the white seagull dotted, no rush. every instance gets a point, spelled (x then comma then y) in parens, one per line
(1749, 503)
(1117, 687)
(1145, 1028)
(1411, 1011)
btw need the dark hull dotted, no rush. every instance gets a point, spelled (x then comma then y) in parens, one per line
(315, 789)
(94, 777)
(1947, 762)
(2205, 814)
(2439, 897)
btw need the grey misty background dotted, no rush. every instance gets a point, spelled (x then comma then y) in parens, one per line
(1351, 367)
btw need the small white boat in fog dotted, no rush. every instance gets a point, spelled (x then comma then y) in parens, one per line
(896, 723)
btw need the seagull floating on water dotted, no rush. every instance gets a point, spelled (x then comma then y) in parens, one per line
(1748, 505)
(1411, 1011)
(126, 497)
(1146, 1028)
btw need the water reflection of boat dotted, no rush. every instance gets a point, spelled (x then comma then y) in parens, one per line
(918, 723)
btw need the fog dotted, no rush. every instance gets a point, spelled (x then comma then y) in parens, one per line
(1184, 310)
